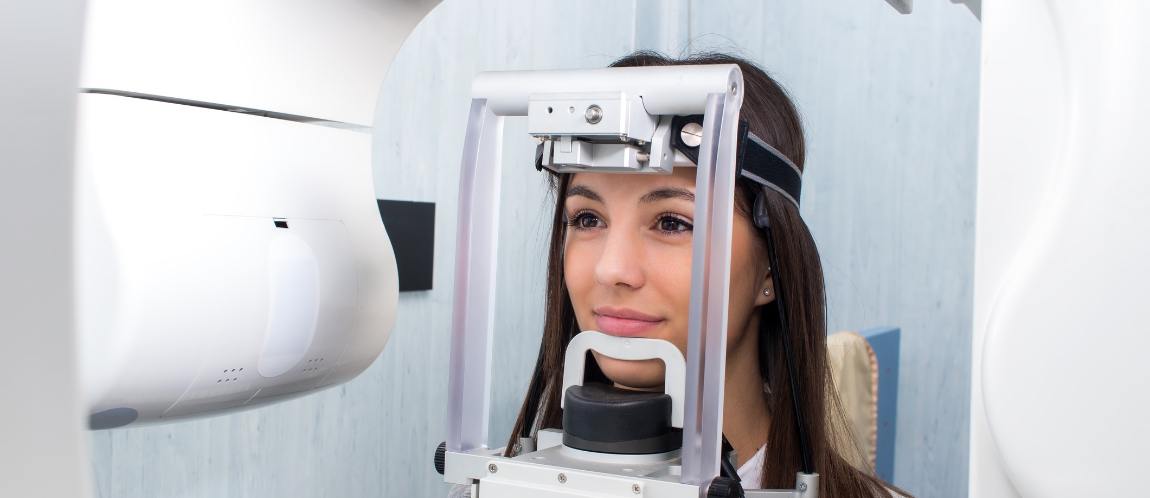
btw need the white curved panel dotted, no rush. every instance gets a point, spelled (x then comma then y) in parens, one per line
(320, 59)
(220, 277)
(1062, 279)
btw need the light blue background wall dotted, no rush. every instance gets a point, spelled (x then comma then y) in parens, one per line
(889, 103)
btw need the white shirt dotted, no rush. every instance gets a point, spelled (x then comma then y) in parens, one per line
(751, 472)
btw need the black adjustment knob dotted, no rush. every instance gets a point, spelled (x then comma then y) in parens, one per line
(440, 457)
(725, 487)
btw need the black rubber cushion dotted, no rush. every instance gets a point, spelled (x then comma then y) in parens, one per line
(606, 419)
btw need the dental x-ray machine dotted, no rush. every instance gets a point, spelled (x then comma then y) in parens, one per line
(177, 86)
(645, 120)
(230, 249)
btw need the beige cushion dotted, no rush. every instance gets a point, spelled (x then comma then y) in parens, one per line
(854, 371)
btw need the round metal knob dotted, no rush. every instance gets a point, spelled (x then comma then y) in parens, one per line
(594, 114)
(692, 134)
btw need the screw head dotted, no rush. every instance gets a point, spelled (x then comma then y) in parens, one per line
(562, 478)
(692, 134)
(492, 468)
(636, 489)
(802, 487)
(734, 88)
(594, 114)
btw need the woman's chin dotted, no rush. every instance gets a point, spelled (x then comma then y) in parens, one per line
(634, 374)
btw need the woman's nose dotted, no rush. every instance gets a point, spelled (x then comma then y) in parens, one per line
(621, 262)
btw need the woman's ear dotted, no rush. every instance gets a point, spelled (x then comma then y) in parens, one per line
(766, 290)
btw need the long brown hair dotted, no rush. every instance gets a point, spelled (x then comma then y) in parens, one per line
(772, 117)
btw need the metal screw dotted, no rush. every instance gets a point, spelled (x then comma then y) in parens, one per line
(692, 134)
(734, 88)
(562, 478)
(636, 489)
(492, 468)
(802, 487)
(594, 114)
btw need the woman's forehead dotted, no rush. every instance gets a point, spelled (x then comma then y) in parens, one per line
(637, 185)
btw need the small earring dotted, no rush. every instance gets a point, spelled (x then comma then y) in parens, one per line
(766, 292)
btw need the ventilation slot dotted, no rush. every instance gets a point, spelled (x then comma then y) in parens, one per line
(230, 375)
(313, 364)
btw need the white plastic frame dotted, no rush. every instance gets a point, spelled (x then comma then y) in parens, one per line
(714, 91)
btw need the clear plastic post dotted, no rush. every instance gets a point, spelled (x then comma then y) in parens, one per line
(473, 316)
(710, 289)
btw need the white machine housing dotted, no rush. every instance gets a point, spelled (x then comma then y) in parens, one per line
(230, 259)
(1059, 383)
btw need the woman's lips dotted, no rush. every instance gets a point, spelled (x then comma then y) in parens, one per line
(624, 322)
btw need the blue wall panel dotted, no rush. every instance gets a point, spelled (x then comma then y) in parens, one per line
(886, 343)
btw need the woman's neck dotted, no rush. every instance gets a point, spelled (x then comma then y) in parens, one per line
(745, 416)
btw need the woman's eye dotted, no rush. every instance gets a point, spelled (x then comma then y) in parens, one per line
(586, 221)
(674, 224)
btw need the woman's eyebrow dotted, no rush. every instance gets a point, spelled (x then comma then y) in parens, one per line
(668, 193)
(579, 190)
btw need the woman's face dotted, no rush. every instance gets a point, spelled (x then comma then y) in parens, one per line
(627, 264)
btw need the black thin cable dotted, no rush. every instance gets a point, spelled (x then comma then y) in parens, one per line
(726, 467)
(776, 276)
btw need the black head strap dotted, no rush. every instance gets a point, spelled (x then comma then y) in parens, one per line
(756, 160)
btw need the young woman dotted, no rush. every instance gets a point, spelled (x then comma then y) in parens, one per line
(620, 263)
